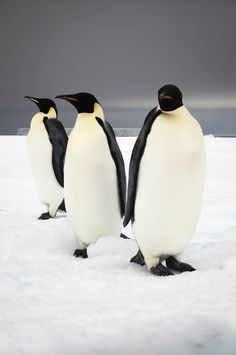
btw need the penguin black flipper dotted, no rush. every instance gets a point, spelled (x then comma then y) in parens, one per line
(118, 160)
(135, 162)
(58, 138)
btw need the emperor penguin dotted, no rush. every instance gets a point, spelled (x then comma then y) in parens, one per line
(46, 145)
(166, 183)
(95, 181)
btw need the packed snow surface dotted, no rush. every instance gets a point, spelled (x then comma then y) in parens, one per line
(53, 303)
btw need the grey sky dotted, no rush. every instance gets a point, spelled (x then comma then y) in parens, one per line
(122, 52)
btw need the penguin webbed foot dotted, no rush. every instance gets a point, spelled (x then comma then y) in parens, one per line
(62, 206)
(161, 270)
(124, 236)
(174, 264)
(138, 258)
(81, 253)
(45, 216)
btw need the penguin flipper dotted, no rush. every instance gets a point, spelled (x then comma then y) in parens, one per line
(58, 138)
(118, 160)
(136, 157)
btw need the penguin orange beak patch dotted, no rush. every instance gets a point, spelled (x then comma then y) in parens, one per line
(69, 98)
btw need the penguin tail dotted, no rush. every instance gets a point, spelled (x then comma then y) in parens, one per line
(62, 206)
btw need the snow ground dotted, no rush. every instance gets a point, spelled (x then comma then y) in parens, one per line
(53, 303)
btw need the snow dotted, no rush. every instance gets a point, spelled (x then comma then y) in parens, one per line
(53, 303)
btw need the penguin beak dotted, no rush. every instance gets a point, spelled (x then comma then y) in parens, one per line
(67, 98)
(34, 99)
(165, 97)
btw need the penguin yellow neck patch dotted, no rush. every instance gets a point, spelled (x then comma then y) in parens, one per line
(52, 113)
(98, 111)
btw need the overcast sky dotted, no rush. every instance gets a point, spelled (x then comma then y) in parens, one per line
(122, 52)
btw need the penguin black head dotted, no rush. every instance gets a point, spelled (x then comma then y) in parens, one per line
(170, 98)
(83, 101)
(44, 105)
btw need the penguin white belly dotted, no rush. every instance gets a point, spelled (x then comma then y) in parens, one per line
(170, 186)
(40, 156)
(91, 192)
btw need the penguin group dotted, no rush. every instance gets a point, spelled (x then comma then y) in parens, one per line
(84, 175)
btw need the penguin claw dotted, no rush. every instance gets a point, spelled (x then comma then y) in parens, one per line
(138, 258)
(80, 253)
(174, 264)
(45, 216)
(161, 270)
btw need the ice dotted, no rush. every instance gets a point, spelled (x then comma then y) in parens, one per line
(53, 303)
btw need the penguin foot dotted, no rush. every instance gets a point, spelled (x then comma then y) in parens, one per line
(160, 270)
(174, 264)
(81, 253)
(124, 236)
(45, 216)
(138, 258)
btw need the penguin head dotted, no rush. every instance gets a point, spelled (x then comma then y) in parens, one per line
(170, 98)
(45, 106)
(83, 102)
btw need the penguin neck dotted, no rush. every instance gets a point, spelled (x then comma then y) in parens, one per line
(88, 118)
(180, 111)
(38, 119)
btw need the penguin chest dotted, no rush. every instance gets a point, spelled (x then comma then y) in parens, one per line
(91, 192)
(40, 158)
(170, 185)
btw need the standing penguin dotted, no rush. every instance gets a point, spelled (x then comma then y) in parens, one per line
(166, 181)
(46, 143)
(95, 181)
